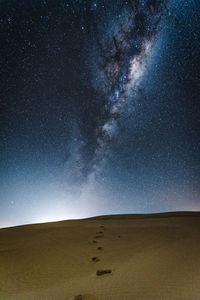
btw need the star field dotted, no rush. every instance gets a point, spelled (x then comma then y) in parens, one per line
(99, 108)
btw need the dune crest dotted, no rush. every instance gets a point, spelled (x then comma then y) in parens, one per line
(108, 257)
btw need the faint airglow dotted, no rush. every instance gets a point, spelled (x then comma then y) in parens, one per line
(53, 216)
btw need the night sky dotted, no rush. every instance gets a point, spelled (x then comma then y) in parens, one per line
(100, 110)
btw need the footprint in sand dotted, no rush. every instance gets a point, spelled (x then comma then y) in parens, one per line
(103, 272)
(99, 232)
(100, 248)
(95, 259)
(94, 242)
(99, 236)
(85, 297)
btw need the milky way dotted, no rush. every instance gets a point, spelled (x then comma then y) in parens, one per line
(122, 50)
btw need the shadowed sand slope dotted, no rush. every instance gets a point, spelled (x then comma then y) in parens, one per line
(117, 257)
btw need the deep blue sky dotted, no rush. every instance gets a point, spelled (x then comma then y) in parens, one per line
(99, 108)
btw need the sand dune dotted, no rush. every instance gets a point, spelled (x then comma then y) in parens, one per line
(117, 257)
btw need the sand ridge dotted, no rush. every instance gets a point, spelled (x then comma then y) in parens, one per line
(108, 257)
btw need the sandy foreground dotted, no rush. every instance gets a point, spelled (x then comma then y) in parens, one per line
(144, 257)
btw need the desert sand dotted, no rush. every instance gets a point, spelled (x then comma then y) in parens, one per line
(110, 257)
